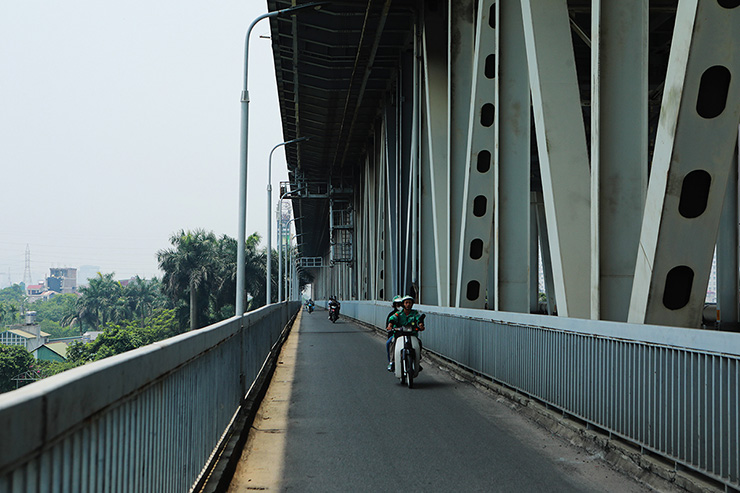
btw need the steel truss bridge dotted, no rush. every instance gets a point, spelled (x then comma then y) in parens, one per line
(453, 141)
(457, 146)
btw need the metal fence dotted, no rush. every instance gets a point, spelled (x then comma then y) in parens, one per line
(672, 391)
(146, 420)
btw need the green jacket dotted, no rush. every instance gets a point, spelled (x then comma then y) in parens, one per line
(400, 319)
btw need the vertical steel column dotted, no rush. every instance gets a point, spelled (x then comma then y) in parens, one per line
(561, 144)
(406, 165)
(435, 223)
(392, 196)
(460, 58)
(478, 208)
(513, 163)
(381, 221)
(372, 226)
(727, 253)
(695, 142)
(415, 157)
(619, 150)
(362, 252)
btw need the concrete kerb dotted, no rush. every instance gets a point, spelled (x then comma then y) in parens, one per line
(652, 470)
(218, 473)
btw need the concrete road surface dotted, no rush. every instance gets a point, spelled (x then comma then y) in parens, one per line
(335, 420)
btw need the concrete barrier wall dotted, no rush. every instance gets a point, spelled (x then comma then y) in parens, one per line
(145, 420)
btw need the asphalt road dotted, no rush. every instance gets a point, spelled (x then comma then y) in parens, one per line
(351, 426)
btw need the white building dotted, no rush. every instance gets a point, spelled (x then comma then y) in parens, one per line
(29, 336)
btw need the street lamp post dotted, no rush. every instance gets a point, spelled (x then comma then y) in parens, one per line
(290, 261)
(280, 242)
(268, 298)
(244, 141)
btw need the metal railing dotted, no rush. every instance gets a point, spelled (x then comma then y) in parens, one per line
(146, 420)
(672, 391)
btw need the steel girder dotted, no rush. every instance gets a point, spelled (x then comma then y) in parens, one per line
(590, 83)
(619, 150)
(476, 229)
(561, 144)
(513, 240)
(460, 74)
(691, 162)
(435, 210)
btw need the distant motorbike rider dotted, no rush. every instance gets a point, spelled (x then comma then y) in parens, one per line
(408, 317)
(333, 305)
(397, 305)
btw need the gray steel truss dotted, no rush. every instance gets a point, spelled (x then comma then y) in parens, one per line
(619, 150)
(561, 144)
(508, 139)
(691, 164)
(478, 207)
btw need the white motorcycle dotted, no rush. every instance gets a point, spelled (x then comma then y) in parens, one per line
(407, 352)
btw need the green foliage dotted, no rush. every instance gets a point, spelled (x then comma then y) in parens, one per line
(49, 368)
(106, 301)
(51, 312)
(125, 336)
(12, 300)
(14, 360)
(14, 293)
(200, 274)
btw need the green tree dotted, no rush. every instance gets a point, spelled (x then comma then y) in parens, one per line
(190, 267)
(14, 361)
(128, 335)
(12, 300)
(14, 293)
(51, 312)
(103, 299)
(80, 315)
(254, 266)
(142, 296)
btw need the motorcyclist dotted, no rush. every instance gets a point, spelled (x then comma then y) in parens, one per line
(408, 317)
(397, 305)
(333, 303)
(309, 305)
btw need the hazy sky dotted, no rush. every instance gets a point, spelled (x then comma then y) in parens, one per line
(119, 125)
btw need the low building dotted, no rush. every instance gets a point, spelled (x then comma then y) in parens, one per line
(42, 294)
(35, 289)
(28, 336)
(52, 351)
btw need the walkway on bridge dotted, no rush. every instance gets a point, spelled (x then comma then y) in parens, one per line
(335, 420)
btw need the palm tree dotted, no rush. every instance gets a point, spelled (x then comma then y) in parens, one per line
(190, 267)
(102, 297)
(141, 296)
(80, 316)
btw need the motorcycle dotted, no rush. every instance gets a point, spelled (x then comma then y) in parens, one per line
(333, 313)
(407, 352)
